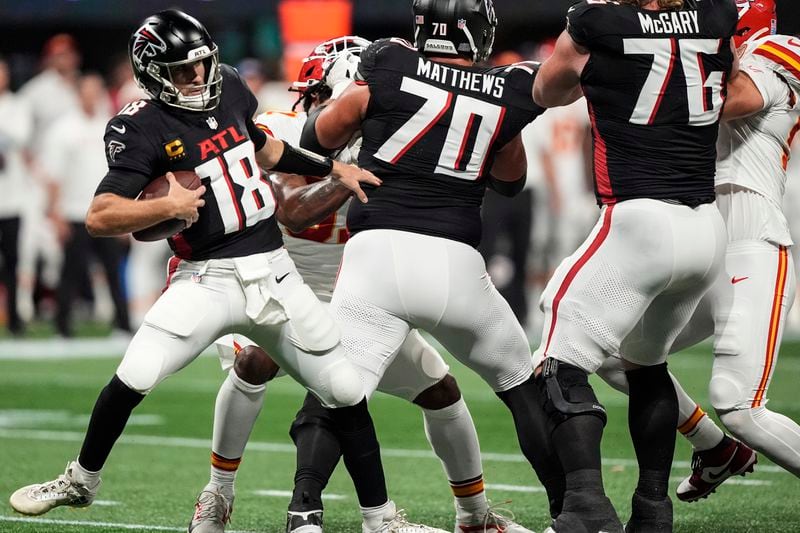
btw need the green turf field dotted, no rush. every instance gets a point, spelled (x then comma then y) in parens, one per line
(153, 475)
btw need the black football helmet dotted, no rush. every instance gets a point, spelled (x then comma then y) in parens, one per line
(165, 42)
(455, 27)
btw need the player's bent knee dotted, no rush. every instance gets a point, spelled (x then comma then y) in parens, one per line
(341, 385)
(142, 368)
(425, 356)
(443, 394)
(254, 365)
(725, 393)
(567, 392)
(612, 372)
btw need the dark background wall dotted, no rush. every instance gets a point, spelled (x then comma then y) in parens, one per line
(249, 27)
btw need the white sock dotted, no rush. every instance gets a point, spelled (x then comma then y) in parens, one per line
(235, 413)
(374, 517)
(454, 439)
(694, 423)
(86, 477)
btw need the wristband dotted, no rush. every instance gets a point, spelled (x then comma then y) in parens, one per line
(300, 161)
(507, 188)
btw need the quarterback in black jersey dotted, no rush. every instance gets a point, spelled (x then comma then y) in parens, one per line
(654, 74)
(230, 272)
(437, 128)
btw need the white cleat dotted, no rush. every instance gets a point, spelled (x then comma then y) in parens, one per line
(492, 522)
(66, 489)
(398, 523)
(212, 512)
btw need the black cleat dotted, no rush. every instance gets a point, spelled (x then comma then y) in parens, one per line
(304, 521)
(586, 511)
(649, 516)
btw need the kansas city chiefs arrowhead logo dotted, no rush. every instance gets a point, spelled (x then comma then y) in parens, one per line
(147, 43)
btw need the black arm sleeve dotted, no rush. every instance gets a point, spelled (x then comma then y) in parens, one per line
(309, 139)
(257, 135)
(507, 188)
(303, 162)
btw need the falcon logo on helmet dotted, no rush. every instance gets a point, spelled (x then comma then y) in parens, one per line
(757, 18)
(146, 42)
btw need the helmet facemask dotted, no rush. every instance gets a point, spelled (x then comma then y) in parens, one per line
(210, 90)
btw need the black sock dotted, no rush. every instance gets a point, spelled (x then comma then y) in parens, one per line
(577, 441)
(110, 414)
(652, 419)
(533, 432)
(362, 455)
(318, 453)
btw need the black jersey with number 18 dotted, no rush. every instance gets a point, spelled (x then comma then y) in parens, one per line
(431, 133)
(148, 139)
(656, 85)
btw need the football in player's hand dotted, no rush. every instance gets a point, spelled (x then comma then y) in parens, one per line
(158, 188)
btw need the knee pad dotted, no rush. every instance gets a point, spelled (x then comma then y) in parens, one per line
(725, 393)
(342, 383)
(567, 392)
(425, 355)
(253, 365)
(142, 368)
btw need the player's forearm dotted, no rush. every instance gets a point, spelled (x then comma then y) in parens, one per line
(110, 215)
(558, 92)
(308, 205)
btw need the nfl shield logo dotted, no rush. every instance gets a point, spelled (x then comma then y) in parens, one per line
(420, 19)
(212, 123)
(462, 24)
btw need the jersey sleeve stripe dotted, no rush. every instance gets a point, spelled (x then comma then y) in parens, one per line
(265, 129)
(782, 56)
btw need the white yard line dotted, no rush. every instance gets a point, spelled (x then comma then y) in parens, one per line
(513, 488)
(86, 523)
(278, 447)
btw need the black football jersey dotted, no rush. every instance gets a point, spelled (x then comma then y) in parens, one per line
(655, 83)
(148, 138)
(431, 133)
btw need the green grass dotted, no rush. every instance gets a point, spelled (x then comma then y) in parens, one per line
(154, 479)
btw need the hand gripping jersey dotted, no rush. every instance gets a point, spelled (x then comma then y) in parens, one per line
(431, 133)
(147, 139)
(317, 251)
(754, 151)
(655, 83)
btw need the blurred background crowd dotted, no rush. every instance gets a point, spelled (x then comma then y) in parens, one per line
(64, 72)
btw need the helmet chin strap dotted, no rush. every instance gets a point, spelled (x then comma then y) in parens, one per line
(196, 101)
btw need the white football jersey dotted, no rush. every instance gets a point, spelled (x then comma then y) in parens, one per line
(317, 251)
(753, 152)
